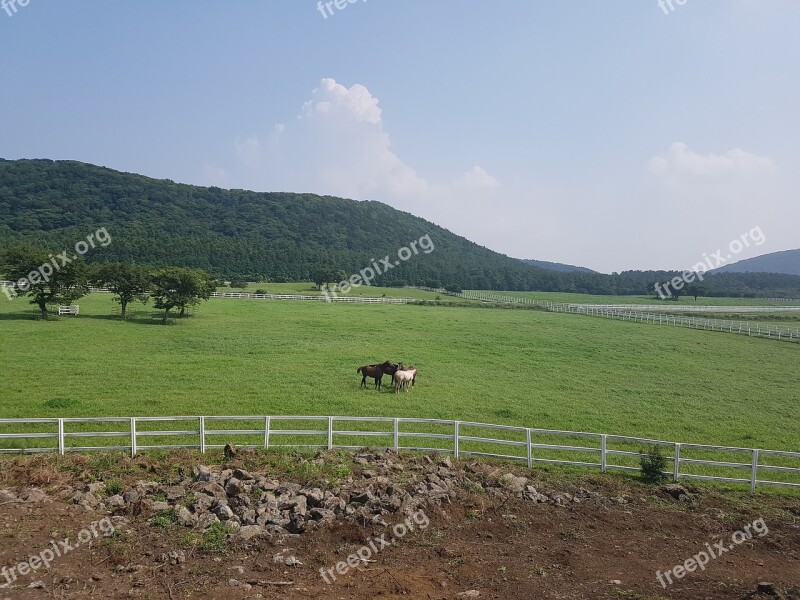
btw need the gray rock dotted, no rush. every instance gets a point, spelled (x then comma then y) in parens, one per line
(34, 494)
(7, 496)
(210, 489)
(243, 475)
(116, 501)
(234, 487)
(157, 506)
(321, 514)
(222, 511)
(361, 497)
(250, 532)
(202, 473)
(131, 496)
(314, 497)
(512, 483)
(95, 487)
(206, 520)
(175, 492)
(675, 490)
(185, 517)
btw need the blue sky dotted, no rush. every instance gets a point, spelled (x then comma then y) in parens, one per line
(601, 133)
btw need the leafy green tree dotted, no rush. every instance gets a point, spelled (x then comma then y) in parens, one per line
(129, 283)
(695, 290)
(322, 275)
(47, 279)
(176, 287)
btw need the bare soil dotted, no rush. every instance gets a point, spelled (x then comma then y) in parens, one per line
(497, 544)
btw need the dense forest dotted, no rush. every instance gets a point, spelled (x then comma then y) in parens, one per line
(237, 234)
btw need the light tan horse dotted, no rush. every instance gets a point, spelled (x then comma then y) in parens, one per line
(404, 378)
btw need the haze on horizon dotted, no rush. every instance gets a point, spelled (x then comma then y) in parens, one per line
(609, 135)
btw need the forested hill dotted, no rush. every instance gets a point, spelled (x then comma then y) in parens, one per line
(787, 262)
(555, 266)
(236, 233)
(278, 236)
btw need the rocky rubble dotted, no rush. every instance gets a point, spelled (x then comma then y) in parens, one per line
(254, 505)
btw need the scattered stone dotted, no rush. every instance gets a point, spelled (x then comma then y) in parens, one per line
(175, 492)
(116, 501)
(675, 490)
(512, 483)
(243, 475)
(222, 511)
(37, 585)
(469, 594)
(185, 517)
(130, 496)
(202, 473)
(34, 494)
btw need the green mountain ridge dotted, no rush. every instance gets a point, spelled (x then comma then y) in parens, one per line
(556, 266)
(280, 236)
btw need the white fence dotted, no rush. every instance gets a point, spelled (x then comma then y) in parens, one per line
(460, 438)
(321, 298)
(634, 312)
(750, 329)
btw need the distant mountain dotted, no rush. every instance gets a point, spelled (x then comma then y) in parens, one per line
(559, 267)
(786, 262)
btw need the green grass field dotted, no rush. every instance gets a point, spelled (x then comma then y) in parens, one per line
(528, 368)
(649, 299)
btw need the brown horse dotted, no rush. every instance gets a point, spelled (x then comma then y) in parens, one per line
(376, 372)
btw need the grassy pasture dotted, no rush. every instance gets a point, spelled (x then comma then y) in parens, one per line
(528, 368)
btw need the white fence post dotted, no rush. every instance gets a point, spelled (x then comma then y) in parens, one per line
(529, 448)
(754, 472)
(133, 436)
(202, 435)
(266, 433)
(330, 433)
(603, 452)
(676, 466)
(456, 426)
(61, 437)
(396, 435)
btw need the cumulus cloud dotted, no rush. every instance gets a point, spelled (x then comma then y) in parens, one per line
(338, 146)
(680, 161)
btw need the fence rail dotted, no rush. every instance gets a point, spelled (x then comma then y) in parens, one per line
(460, 438)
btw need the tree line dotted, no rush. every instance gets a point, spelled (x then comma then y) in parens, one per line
(170, 288)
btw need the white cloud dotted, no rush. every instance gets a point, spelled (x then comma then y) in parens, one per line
(338, 146)
(682, 162)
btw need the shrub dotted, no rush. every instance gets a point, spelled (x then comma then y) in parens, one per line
(653, 463)
(113, 487)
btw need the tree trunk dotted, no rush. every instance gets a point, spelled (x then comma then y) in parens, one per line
(43, 309)
(123, 309)
(183, 312)
(164, 320)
